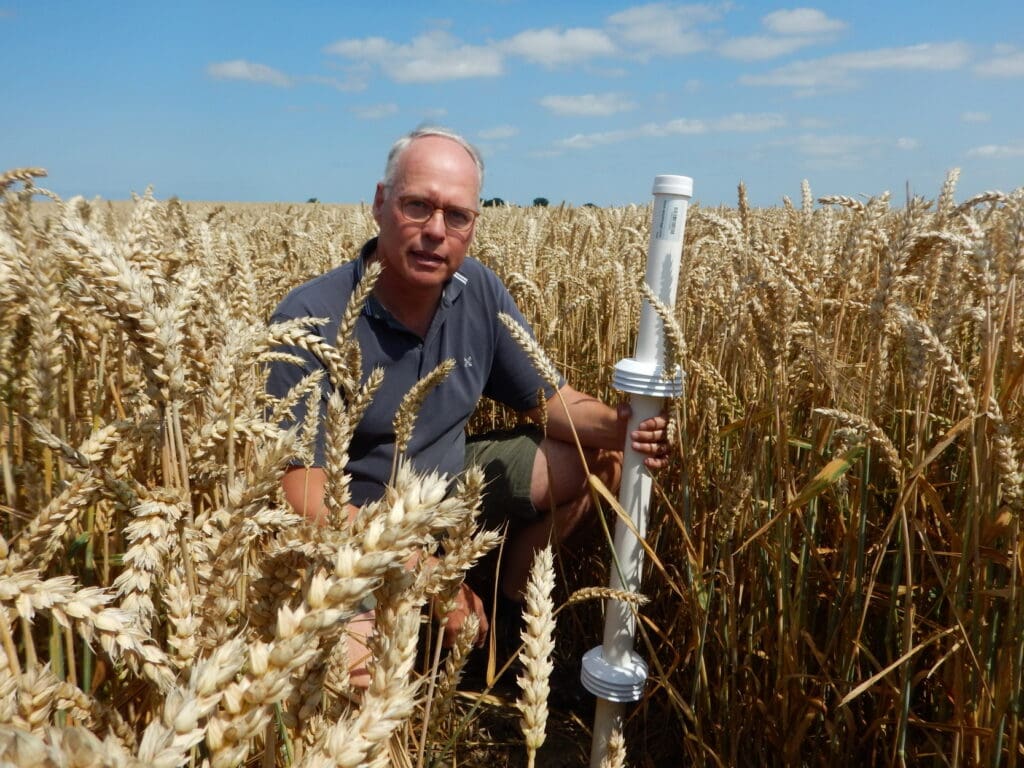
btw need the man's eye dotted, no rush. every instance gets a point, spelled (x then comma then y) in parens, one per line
(457, 218)
(418, 208)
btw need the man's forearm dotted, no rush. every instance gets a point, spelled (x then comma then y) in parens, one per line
(304, 490)
(598, 425)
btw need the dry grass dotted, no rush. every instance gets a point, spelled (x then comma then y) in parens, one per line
(837, 578)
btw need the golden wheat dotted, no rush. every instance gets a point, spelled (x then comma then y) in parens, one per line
(836, 547)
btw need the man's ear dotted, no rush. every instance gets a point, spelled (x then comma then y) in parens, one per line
(378, 202)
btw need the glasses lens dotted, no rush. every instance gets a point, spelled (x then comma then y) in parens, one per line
(417, 210)
(456, 218)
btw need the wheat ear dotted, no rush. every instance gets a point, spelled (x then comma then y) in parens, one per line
(405, 418)
(675, 343)
(615, 757)
(538, 639)
(534, 351)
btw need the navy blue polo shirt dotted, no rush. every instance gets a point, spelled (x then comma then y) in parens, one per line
(465, 328)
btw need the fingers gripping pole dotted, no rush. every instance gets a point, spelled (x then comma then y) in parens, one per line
(613, 671)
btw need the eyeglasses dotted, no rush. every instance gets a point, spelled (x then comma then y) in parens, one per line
(419, 210)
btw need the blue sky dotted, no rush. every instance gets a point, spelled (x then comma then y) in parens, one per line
(582, 102)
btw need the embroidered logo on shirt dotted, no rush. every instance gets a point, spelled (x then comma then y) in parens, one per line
(467, 362)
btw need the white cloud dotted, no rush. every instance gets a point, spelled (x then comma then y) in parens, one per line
(663, 28)
(499, 132)
(759, 47)
(1010, 64)
(737, 123)
(975, 117)
(659, 29)
(835, 71)
(589, 104)
(748, 123)
(789, 31)
(807, 76)
(693, 85)
(929, 56)
(997, 151)
(802, 21)
(842, 151)
(375, 111)
(431, 57)
(240, 69)
(551, 47)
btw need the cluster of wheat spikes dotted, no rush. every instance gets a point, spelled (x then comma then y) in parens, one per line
(835, 561)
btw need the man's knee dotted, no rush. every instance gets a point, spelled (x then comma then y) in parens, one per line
(607, 466)
(561, 474)
(578, 502)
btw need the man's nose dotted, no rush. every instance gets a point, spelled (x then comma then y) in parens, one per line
(435, 226)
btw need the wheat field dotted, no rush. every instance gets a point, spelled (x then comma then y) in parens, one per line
(834, 572)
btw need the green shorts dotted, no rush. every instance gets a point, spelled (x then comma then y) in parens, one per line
(506, 457)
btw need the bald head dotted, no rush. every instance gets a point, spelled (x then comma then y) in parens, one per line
(402, 145)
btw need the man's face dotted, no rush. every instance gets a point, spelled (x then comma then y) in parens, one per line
(420, 256)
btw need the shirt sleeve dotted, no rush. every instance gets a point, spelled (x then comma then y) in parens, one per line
(514, 380)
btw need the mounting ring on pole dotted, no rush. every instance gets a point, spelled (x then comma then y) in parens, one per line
(639, 377)
(610, 682)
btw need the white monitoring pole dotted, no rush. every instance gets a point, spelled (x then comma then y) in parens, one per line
(613, 671)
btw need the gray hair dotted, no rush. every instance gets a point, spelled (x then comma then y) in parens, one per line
(403, 143)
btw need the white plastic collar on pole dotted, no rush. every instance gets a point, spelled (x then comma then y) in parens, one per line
(618, 683)
(637, 377)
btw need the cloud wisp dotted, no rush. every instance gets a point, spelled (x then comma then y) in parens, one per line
(997, 151)
(434, 56)
(839, 70)
(375, 111)
(975, 117)
(682, 126)
(841, 151)
(661, 29)
(802, 22)
(588, 104)
(552, 47)
(788, 31)
(640, 32)
(499, 133)
(1009, 64)
(240, 69)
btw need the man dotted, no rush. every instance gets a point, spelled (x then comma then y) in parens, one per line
(432, 303)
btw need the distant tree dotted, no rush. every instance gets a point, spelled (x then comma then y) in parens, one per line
(493, 202)
(313, 200)
(541, 201)
(590, 205)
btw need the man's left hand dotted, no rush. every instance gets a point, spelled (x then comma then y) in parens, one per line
(651, 438)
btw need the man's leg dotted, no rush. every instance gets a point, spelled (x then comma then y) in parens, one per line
(560, 492)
